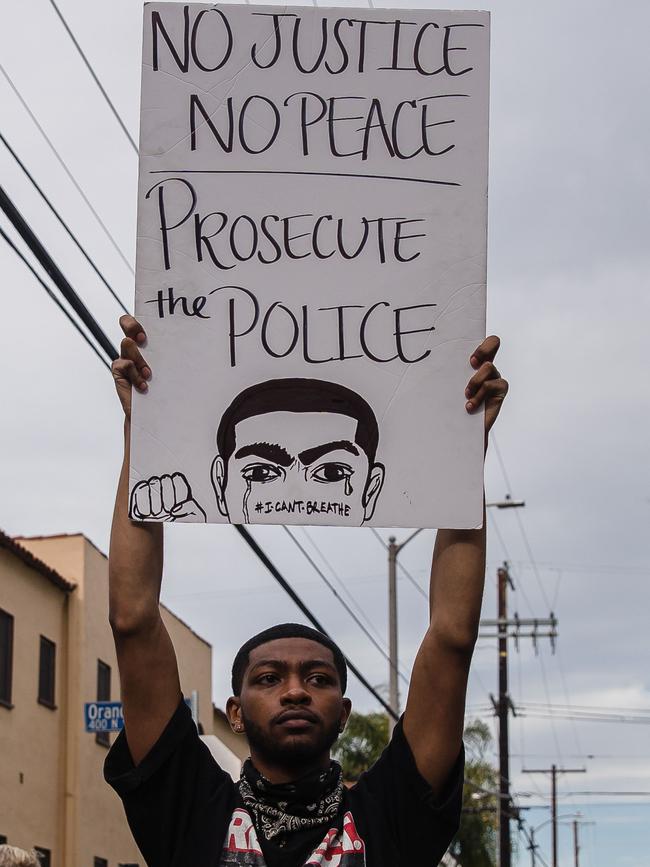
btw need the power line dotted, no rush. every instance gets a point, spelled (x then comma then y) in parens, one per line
(54, 272)
(90, 69)
(342, 601)
(591, 707)
(343, 587)
(62, 221)
(61, 307)
(65, 168)
(521, 527)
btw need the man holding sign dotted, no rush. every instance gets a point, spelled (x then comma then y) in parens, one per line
(310, 287)
(290, 807)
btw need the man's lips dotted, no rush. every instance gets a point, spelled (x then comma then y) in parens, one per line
(296, 718)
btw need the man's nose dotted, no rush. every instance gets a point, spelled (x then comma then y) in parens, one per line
(295, 692)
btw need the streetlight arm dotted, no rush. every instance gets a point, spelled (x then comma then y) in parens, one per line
(403, 544)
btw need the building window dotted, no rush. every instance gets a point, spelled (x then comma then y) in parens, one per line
(46, 670)
(103, 694)
(6, 656)
(44, 856)
(3, 839)
(99, 862)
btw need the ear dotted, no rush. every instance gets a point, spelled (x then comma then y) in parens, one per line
(345, 713)
(373, 489)
(233, 712)
(217, 476)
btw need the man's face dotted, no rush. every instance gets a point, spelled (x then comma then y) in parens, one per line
(291, 703)
(298, 467)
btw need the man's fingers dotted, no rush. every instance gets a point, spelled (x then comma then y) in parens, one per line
(124, 370)
(130, 351)
(491, 390)
(132, 328)
(485, 352)
(485, 372)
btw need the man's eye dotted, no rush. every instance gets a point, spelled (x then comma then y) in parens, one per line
(332, 472)
(267, 678)
(320, 679)
(261, 473)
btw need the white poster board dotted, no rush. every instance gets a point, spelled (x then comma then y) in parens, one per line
(311, 259)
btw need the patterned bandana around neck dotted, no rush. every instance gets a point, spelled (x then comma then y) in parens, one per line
(281, 808)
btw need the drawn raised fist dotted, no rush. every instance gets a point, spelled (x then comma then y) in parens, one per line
(164, 498)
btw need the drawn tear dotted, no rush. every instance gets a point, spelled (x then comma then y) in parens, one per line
(249, 485)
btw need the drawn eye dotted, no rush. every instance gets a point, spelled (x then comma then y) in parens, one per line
(332, 472)
(261, 473)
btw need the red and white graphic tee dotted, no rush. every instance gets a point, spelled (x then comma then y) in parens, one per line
(338, 849)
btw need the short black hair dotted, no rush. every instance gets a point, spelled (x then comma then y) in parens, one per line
(299, 395)
(286, 630)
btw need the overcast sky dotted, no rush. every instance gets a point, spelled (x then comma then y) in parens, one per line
(568, 292)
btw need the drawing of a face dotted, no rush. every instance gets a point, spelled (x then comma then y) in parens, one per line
(298, 465)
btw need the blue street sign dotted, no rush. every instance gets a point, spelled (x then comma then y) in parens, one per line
(103, 716)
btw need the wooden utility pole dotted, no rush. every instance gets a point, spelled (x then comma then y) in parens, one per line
(532, 846)
(509, 628)
(503, 709)
(554, 771)
(393, 666)
(393, 689)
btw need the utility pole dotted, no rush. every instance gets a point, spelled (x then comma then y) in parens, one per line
(393, 689)
(503, 708)
(532, 846)
(509, 628)
(576, 847)
(554, 771)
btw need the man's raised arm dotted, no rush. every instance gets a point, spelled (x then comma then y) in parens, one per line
(145, 655)
(435, 709)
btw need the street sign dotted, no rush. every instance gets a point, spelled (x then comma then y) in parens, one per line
(103, 716)
(106, 716)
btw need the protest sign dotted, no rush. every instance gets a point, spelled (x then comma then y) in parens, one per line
(311, 259)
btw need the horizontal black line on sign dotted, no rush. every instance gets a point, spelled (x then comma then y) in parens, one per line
(322, 174)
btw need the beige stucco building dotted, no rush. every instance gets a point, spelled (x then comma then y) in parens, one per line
(56, 652)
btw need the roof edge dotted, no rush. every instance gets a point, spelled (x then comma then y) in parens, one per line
(33, 562)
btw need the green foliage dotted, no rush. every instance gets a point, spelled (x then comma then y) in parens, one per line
(475, 844)
(361, 743)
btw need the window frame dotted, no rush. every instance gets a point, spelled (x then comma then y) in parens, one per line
(47, 700)
(6, 676)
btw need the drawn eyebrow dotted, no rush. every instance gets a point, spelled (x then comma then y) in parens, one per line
(269, 451)
(310, 455)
